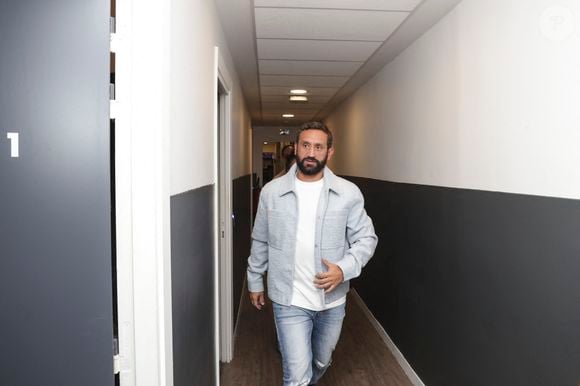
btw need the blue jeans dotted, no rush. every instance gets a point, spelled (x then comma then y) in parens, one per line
(306, 339)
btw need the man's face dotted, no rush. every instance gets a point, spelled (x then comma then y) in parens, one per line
(312, 152)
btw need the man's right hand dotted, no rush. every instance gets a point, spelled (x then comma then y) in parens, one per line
(257, 299)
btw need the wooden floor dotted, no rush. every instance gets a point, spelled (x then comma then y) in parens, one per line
(361, 358)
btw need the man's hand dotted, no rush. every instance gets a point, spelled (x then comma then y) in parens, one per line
(257, 299)
(331, 279)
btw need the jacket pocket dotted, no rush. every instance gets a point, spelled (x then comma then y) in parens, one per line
(279, 224)
(334, 228)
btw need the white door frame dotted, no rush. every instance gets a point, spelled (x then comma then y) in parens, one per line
(142, 193)
(223, 178)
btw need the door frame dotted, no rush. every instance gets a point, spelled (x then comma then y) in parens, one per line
(142, 170)
(224, 211)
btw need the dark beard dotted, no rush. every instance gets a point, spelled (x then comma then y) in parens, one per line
(311, 170)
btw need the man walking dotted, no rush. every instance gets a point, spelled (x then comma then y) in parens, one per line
(312, 235)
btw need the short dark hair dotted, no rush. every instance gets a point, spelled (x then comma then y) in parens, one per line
(315, 125)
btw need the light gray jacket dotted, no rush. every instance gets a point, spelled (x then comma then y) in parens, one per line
(344, 235)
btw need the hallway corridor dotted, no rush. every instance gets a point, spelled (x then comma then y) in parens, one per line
(138, 139)
(361, 357)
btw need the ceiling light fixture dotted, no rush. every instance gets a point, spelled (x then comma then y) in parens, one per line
(298, 99)
(298, 92)
(287, 115)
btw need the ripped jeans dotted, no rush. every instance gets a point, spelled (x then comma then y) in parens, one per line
(306, 339)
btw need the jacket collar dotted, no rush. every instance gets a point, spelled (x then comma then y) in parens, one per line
(287, 183)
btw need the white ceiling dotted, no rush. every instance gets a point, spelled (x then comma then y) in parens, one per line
(380, 5)
(312, 67)
(328, 47)
(283, 91)
(326, 24)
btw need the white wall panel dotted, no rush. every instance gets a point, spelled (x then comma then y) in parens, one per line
(291, 23)
(196, 29)
(487, 99)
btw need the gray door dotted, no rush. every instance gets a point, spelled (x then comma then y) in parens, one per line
(56, 318)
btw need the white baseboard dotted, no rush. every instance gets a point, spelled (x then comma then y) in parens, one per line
(413, 377)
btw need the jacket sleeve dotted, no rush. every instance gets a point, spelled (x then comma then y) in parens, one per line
(360, 234)
(258, 260)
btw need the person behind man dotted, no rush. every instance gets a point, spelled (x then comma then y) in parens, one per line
(289, 159)
(312, 234)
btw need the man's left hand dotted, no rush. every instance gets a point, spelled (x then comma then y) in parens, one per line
(331, 279)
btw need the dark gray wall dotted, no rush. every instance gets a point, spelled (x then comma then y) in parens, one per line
(242, 190)
(55, 238)
(192, 279)
(475, 287)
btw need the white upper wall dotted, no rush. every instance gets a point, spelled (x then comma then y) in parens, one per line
(487, 99)
(195, 31)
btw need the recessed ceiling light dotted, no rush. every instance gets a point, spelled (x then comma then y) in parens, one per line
(265, 143)
(298, 98)
(287, 115)
(298, 92)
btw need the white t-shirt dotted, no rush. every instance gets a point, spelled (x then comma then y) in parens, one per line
(305, 293)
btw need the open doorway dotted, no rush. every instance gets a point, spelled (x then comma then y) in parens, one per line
(277, 157)
(268, 144)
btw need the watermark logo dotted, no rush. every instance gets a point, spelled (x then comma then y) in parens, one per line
(557, 23)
